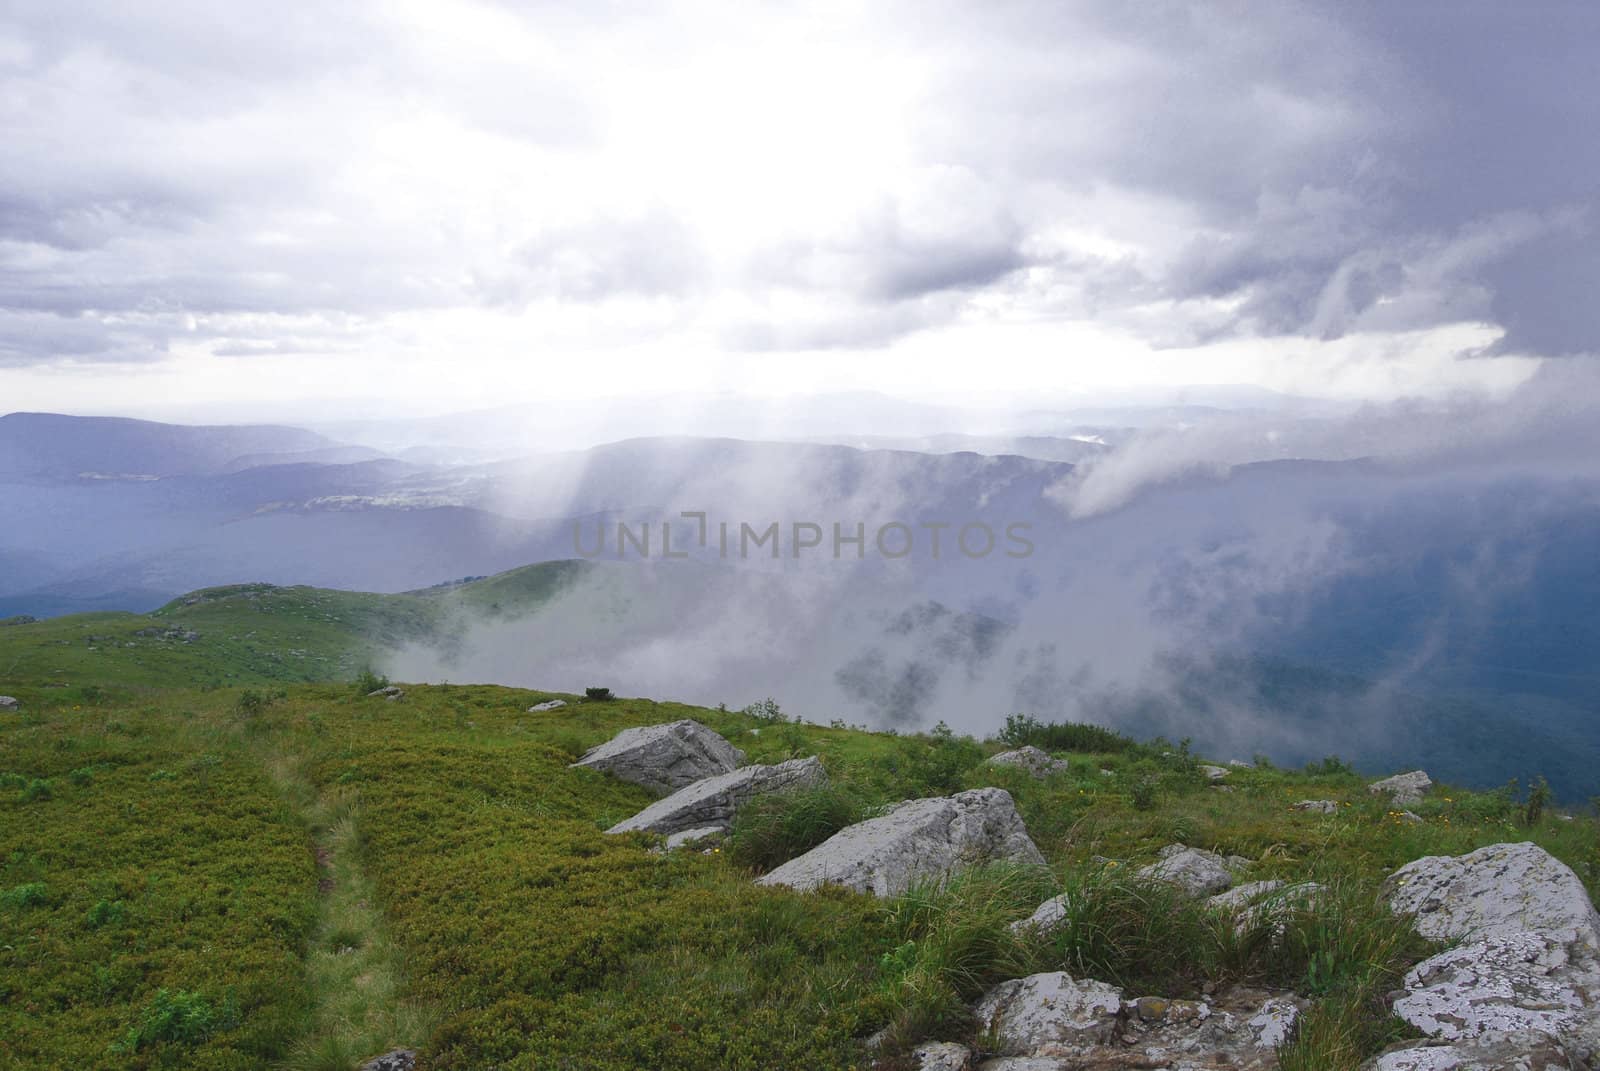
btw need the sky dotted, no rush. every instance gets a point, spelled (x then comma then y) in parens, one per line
(418, 207)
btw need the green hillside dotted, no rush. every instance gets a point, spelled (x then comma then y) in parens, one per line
(257, 633)
(214, 854)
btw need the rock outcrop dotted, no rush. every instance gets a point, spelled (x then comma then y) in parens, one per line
(8, 703)
(1194, 870)
(1030, 758)
(1050, 1022)
(664, 758)
(714, 800)
(390, 692)
(548, 704)
(1317, 806)
(917, 840)
(1403, 788)
(1213, 773)
(1523, 989)
(1518, 1052)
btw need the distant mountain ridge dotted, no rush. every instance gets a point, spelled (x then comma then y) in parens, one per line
(56, 446)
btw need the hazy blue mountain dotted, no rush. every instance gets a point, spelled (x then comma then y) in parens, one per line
(48, 445)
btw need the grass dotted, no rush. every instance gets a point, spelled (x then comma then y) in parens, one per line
(304, 878)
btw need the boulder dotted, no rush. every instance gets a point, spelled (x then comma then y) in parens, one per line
(1049, 1014)
(8, 703)
(1318, 806)
(391, 693)
(1214, 773)
(1266, 901)
(941, 1056)
(394, 1060)
(1194, 870)
(549, 704)
(1403, 788)
(715, 800)
(664, 758)
(1504, 888)
(1241, 764)
(917, 840)
(1030, 758)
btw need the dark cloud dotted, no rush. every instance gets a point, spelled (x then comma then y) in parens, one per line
(1187, 172)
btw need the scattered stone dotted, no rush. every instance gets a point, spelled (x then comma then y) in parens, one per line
(941, 1056)
(1242, 896)
(1403, 788)
(396, 1060)
(1215, 773)
(1504, 888)
(8, 703)
(1032, 759)
(714, 800)
(1046, 918)
(549, 704)
(1318, 806)
(1194, 870)
(1241, 764)
(391, 693)
(1409, 818)
(664, 758)
(1047, 1014)
(913, 841)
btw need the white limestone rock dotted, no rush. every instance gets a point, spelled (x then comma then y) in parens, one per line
(664, 758)
(1046, 918)
(1503, 888)
(1520, 1052)
(917, 840)
(941, 1056)
(1318, 806)
(1403, 788)
(715, 800)
(1194, 870)
(1049, 1014)
(549, 704)
(1504, 984)
(1032, 759)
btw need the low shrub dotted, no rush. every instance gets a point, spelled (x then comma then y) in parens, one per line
(180, 1017)
(1022, 729)
(598, 695)
(33, 894)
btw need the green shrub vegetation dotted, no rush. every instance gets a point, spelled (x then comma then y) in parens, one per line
(327, 878)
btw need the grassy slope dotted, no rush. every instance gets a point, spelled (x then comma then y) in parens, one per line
(511, 931)
(254, 633)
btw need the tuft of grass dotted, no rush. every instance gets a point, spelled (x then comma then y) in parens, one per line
(773, 829)
(954, 941)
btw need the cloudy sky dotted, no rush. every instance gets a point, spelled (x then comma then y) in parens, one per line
(441, 205)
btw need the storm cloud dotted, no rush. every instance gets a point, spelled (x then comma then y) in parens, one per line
(208, 179)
